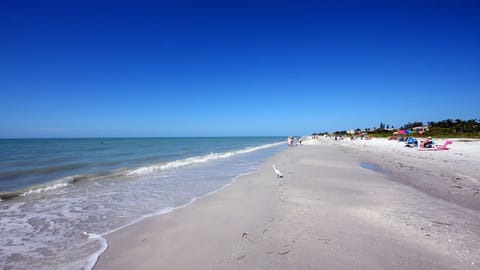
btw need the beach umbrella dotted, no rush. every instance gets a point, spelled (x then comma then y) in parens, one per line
(404, 131)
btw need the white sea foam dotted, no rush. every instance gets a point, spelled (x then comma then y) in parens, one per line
(61, 183)
(93, 258)
(198, 159)
(163, 211)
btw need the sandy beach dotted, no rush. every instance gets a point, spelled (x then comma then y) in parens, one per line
(371, 204)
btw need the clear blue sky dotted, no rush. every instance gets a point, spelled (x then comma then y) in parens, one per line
(223, 68)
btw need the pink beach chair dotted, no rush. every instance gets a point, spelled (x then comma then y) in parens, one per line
(437, 147)
(444, 146)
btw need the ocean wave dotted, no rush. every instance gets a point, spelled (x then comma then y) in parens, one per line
(195, 160)
(10, 175)
(48, 186)
(69, 180)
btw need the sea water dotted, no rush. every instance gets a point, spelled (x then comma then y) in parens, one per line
(59, 197)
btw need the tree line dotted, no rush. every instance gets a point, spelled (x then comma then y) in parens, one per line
(456, 128)
(444, 128)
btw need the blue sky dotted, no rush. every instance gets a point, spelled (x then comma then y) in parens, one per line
(225, 68)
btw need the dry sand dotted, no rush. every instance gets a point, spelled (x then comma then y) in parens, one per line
(330, 211)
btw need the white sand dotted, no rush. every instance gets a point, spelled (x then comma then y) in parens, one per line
(453, 174)
(328, 212)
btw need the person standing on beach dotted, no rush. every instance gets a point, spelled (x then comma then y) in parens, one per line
(290, 141)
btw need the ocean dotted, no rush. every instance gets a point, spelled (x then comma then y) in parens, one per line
(59, 197)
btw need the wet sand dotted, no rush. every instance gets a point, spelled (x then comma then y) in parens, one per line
(339, 206)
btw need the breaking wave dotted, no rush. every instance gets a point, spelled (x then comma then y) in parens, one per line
(65, 182)
(195, 160)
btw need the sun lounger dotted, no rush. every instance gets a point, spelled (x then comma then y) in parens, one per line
(444, 146)
(437, 147)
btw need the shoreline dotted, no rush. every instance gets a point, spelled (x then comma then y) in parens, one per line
(57, 226)
(327, 212)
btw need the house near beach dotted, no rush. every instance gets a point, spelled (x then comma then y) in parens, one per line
(420, 129)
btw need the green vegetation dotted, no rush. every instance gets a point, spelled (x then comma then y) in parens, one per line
(442, 129)
(454, 128)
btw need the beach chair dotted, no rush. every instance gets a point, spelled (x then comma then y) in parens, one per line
(411, 142)
(444, 146)
(437, 147)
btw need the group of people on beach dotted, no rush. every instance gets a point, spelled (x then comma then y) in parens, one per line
(291, 141)
(413, 142)
(428, 143)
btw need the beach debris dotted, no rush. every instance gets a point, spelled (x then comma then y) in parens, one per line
(283, 252)
(241, 257)
(277, 172)
(325, 240)
(441, 223)
(265, 230)
(245, 236)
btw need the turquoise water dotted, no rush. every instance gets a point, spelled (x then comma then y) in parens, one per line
(60, 196)
(28, 162)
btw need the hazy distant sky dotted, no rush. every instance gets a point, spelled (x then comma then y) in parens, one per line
(224, 68)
